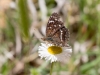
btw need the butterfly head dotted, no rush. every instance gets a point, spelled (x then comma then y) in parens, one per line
(49, 39)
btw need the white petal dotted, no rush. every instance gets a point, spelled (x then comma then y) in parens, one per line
(43, 53)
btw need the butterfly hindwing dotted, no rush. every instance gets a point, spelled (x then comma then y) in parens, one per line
(61, 36)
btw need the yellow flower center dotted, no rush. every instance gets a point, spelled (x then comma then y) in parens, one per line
(54, 50)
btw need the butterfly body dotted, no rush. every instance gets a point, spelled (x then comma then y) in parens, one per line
(56, 32)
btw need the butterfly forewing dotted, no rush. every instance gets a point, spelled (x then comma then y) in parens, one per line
(52, 24)
(56, 32)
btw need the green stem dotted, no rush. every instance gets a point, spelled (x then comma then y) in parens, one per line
(51, 68)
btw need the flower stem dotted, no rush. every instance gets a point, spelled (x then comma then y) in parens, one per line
(51, 68)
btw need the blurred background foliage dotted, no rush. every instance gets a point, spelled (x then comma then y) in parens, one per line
(23, 23)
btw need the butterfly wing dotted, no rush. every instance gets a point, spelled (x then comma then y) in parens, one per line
(61, 37)
(56, 32)
(52, 24)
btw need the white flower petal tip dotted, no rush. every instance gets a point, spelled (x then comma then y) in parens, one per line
(54, 53)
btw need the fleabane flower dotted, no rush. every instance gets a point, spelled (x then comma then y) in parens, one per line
(54, 53)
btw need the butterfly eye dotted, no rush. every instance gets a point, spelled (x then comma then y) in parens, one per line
(50, 39)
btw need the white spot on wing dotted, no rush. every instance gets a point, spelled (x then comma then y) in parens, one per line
(55, 19)
(59, 25)
(61, 31)
(54, 25)
(51, 21)
(61, 35)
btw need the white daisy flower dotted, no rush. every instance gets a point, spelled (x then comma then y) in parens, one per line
(54, 53)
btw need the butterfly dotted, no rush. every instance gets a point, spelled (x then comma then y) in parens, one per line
(56, 32)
